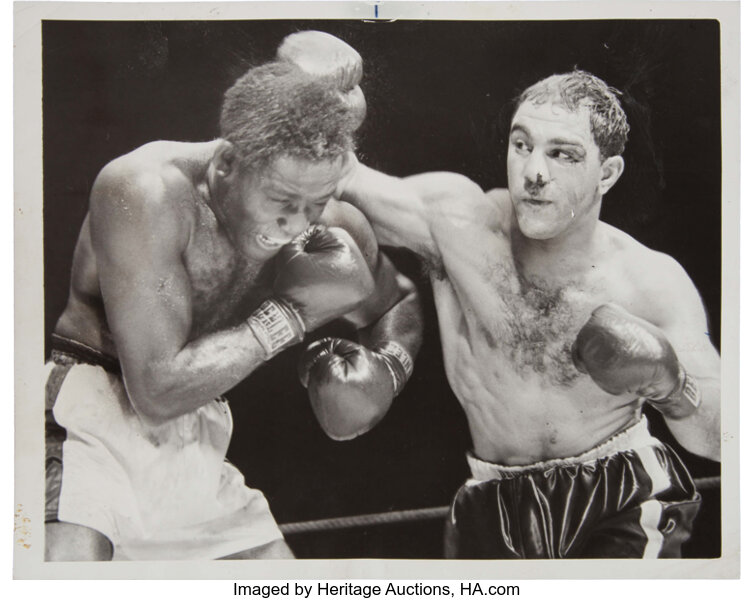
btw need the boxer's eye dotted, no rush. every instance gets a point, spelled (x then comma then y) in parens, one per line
(520, 145)
(564, 155)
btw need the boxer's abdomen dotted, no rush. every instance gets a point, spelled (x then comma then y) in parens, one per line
(520, 416)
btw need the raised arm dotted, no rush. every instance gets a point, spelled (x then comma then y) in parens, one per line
(404, 212)
(352, 385)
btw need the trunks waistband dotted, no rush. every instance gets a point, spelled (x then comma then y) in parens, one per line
(65, 350)
(632, 438)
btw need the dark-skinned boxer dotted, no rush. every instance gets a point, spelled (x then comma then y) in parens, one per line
(557, 329)
(196, 264)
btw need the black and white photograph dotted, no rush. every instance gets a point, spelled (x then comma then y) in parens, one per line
(432, 286)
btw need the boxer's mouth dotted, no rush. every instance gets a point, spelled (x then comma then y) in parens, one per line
(535, 201)
(270, 242)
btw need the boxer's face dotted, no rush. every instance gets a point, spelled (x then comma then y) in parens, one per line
(554, 169)
(266, 209)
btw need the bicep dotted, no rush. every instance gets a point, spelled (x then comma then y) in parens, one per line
(388, 289)
(682, 317)
(395, 207)
(144, 285)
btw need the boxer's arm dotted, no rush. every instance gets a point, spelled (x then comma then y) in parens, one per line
(406, 212)
(139, 236)
(678, 311)
(352, 386)
(393, 312)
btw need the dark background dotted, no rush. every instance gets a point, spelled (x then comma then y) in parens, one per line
(439, 99)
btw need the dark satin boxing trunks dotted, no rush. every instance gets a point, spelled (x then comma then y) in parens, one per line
(631, 497)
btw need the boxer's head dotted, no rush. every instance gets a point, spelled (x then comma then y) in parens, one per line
(566, 137)
(278, 110)
(579, 89)
(285, 135)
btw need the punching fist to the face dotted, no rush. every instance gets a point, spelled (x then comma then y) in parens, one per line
(623, 354)
(324, 55)
(350, 386)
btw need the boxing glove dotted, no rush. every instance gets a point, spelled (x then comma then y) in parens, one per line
(623, 353)
(323, 55)
(350, 386)
(321, 275)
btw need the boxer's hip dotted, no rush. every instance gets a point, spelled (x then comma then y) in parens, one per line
(109, 470)
(554, 508)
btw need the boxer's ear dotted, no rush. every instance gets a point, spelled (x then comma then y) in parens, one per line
(610, 172)
(224, 159)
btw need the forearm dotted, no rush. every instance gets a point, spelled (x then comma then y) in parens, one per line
(403, 323)
(199, 372)
(397, 336)
(699, 432)
(352, 385)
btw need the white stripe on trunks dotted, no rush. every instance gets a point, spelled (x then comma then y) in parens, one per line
(651, 510)
(651, 513)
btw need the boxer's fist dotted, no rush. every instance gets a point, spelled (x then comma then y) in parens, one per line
(625, 354)
(350, 386)
(323, 55)
(322, 275)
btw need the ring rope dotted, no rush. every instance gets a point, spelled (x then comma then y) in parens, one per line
(397, 516)
(707, 483)
(403, 516)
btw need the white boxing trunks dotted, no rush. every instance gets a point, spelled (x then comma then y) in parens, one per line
(157, 492)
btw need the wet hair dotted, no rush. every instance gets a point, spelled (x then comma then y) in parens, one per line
(276, 109)
(579, 88)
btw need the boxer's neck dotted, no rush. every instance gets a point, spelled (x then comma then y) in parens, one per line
(563, 258)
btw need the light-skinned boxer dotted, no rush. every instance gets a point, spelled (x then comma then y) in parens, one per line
(196, 264)
(557, 329)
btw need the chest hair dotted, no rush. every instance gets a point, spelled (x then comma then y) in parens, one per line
(541, 325)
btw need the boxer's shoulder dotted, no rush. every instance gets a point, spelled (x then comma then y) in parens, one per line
(142, 191)
(501, 208)
(151, 160)
(155, 175)
(633, 258)
(652, 282)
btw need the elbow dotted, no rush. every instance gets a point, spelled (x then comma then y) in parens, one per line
(150, 400)
(151, 409)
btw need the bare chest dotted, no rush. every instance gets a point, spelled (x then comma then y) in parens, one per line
(225, 288)
(528, 332)
(540, 325)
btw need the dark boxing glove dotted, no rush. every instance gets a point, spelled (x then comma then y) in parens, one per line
(623, 353)
(321, 275)
(350, 386)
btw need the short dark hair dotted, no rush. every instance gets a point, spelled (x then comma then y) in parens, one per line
(580, 88)
(276, 109)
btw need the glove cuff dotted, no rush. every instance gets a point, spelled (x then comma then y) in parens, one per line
(276, 325)
(684, 400)
(399, 363)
